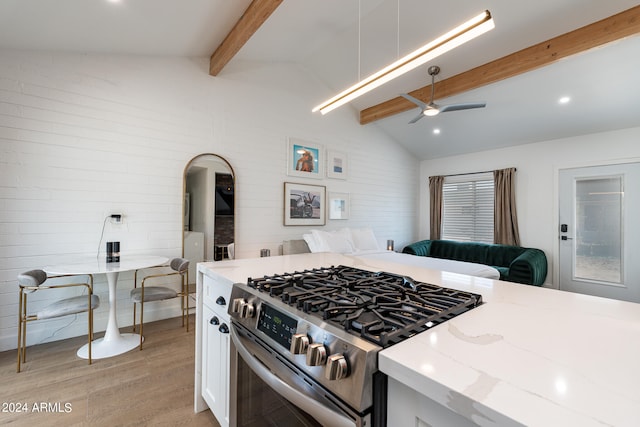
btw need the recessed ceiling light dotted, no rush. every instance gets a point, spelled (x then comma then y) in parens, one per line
(436, 131)
(564, 100)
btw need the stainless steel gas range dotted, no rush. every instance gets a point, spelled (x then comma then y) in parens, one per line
(305, 344)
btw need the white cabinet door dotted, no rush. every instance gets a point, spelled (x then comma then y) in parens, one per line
(223, 374)
(407, 407)
(215, 363)
(209, 362)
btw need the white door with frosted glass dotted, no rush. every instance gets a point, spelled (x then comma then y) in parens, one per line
(600, 231)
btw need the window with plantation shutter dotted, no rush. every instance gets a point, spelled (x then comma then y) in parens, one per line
(467, 208)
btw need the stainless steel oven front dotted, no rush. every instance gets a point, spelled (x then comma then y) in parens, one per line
(304, 345)
(291, 368)
(268, 390)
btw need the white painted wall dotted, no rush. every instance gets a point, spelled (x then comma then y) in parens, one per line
(536, 180)
(83, 136)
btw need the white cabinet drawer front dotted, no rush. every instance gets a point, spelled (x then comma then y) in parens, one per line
(216, 294)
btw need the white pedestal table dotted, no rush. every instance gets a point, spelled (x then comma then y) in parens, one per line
(113, 343)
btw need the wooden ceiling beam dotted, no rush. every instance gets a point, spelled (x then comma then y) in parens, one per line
(616, 27)
(252, 18)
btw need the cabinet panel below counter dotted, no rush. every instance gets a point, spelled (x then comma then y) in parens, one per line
(212, 344)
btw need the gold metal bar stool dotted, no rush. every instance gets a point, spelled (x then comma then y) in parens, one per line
(33, 281)
(145, 293)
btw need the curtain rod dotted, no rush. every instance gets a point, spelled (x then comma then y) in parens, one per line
(470, 173)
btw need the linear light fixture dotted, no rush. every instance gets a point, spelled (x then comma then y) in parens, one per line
(454, 38)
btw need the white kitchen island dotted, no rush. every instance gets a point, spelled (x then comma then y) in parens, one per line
(528, 356)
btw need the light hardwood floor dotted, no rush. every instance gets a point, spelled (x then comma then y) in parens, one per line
(152, 387)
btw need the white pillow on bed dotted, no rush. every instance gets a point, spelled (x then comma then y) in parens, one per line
(364, 240)
(334, 241)
(311, 242)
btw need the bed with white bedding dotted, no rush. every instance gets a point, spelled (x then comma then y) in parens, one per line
(363, 245)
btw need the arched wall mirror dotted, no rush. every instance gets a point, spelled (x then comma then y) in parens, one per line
(208, 210)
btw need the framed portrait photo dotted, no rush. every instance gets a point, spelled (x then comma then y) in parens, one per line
(338, 205)
(336, 164)
(304, 204)
(305, 159)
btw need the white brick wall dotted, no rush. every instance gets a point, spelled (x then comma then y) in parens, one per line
(83, 136)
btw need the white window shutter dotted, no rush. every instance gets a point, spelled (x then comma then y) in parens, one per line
(468, 208)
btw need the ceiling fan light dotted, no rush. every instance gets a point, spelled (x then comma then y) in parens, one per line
(454, 38)
(431, 111)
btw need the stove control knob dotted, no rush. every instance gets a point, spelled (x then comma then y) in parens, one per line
(246, 310)
(236, 303)
(316, 354)
(299, 343)
(336, 368)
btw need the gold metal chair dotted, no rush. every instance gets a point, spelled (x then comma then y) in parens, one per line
(34, 280)
(146, 293)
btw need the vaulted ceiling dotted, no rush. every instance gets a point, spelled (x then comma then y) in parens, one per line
(341, 41)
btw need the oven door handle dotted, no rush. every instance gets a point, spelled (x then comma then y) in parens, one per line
(321, 413)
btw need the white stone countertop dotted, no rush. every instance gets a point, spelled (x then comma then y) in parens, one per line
(540, 357)
(534, 356)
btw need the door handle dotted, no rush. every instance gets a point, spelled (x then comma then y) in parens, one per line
(566, 238)
(214, 320)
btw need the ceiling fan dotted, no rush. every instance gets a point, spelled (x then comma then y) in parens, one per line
(431, 109)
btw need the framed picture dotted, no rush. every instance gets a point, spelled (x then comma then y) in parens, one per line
(304, 204)
(338, 205)
(305, 159)
(336, 164)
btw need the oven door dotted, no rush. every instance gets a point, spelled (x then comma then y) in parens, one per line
(267, 390)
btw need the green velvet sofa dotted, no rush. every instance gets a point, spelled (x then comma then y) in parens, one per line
(515, 264)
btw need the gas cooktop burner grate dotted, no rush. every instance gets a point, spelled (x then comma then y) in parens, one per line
(383, 308)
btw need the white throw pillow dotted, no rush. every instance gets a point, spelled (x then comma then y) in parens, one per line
(311, 242)
(335, 241)
(364, 240)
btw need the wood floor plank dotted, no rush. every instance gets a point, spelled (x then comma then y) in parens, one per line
(152, 387)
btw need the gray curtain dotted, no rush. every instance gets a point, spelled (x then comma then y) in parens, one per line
(505, 222)
(435, 206)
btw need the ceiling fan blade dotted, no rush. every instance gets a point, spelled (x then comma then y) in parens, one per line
(416, 101)
(416, 118)
(458, 107)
